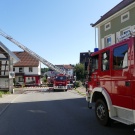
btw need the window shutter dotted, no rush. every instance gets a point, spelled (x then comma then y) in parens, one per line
(112, 39)
(117, 36)
(102, 43)
(133, 28)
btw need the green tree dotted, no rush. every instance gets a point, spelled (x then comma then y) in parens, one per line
(44, 80)
(43, 70)
(79, 71)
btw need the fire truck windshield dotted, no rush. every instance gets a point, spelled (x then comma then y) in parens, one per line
(60, 78)
(120, 57)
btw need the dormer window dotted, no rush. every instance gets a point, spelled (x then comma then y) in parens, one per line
(125, 17)
(107, 26)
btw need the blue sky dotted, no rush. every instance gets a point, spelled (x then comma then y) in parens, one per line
(57, 30)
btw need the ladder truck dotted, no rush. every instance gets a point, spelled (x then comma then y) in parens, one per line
(60, 82)
(45, 62)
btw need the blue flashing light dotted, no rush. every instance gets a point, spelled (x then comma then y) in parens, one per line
(95, 49)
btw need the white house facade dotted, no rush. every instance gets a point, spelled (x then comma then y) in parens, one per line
(28, 70)
(116, 22)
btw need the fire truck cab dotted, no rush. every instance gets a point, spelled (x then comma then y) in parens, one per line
(60, 82)
(111, 82)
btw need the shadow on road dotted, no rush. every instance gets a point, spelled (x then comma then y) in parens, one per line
(61, 117)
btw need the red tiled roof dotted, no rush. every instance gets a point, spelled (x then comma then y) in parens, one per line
(65, 66)
(114, 10)
(26, 60)
(68, 67)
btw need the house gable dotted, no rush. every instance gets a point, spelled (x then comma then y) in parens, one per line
(116, 22)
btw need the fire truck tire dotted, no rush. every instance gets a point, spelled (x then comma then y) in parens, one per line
(101, 112)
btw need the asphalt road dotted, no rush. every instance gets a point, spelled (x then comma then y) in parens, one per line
(54, 113)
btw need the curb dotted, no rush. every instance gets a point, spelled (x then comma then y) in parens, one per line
(81, 93)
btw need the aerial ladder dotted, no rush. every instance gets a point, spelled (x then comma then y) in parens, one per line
(45, 62)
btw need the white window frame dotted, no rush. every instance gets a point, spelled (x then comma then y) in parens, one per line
(109, 26)
(104, 41)
(123, 31)
(133, 28)
(125, 19)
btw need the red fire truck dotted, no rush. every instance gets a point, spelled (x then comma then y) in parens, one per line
(60, 82)
(111, 82)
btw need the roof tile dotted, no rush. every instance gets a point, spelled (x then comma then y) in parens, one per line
(26, 60)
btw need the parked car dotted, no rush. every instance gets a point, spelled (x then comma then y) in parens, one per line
(17, 85)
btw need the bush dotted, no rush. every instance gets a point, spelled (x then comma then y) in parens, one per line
(44, 80)
(77, 84)
(0, 94)
(3, 92)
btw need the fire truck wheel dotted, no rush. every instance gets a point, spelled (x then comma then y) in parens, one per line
(101, 111)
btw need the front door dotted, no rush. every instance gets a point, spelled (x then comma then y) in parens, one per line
(105, 74)
(121, 79)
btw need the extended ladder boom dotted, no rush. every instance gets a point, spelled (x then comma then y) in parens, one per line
(45, 62)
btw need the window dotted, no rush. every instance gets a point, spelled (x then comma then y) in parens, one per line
(13, 68)
(108, 41)
(123, 34)
(107, 26)
(125, 31)
(125, 17)
(20, 69)
(105, 61)
(94, 63)
(30, 69)
(20, 79)
(120, 57)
